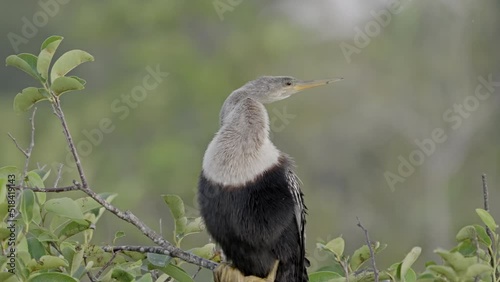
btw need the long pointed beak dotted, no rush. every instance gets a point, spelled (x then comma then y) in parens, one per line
(302, 85)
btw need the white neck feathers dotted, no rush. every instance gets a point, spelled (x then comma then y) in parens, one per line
(241, 149)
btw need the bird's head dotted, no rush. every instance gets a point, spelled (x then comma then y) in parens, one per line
(268, 89)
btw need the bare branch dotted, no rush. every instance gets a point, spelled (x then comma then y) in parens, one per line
(51, 190)
(59, 174)
(486, 205)
(60, 114)
(139, 249)
(17, 145)
(99, 273)
(372, 253)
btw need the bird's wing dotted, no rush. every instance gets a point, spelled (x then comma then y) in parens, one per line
(300, 209)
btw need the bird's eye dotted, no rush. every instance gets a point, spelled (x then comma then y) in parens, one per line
(288, 83)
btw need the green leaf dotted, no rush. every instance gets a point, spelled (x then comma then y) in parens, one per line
(49, 47)
(6, 170)
(34, 180)
(176, 206)
(194, 226)
(122, 275)
(408, 261)
(69, 61)
(207, 251)
(27, 203)
(47, 262)
(177, 273)
(456, 260)
(73, 228)
(36, 248)
(65, 207)
(81, 80)
(482, 235)
(336, 246)
(27, 98)
(467, 232)
(323, 276)
(478, 269)
(65, 84)
(446, 271)
(25, 62)
(487, 219)
(362, 254)
(146, 278)
(158, 260)
(118, 235)
(51, 277)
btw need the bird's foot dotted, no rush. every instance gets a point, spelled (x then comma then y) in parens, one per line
(226, 273)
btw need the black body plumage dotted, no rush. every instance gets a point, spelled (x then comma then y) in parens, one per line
(257, 223)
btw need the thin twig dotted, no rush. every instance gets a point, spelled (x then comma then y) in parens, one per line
(99, 273)
(51, 190)
(17, 145)
(60, 114)
(139, 249)
(196, 273)
(59, 174)
(372, 253)
(486, 205)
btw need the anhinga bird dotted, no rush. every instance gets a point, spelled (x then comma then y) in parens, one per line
(249, 196)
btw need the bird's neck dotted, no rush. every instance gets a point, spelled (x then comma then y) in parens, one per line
(241, 149)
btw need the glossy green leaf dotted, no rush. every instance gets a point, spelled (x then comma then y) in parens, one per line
(145, 278)
(47, 262)
(65, 207)
(336, 246)
(446, 271)
(122, 275)
(36, 248)
(118, 235)
(25, 62)
(408, 261)
(73, 228)
(362, 254)
(482, 235)
(176, 206)
(193, 226)
(65, 84)
(81, 80)
(27, 98)
(51, 277)
(478, 269)
(69, 61)
(27, 203)
(487, 219)
(6, 170)
(177, 273)
(323, 276)
(34, 180)
(158, 259)
(456, 260)
(207, 251)
(49, 47)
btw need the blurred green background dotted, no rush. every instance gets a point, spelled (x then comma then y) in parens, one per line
(410, 68)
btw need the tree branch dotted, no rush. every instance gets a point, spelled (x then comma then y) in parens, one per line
(369, 244)
(27, 152)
